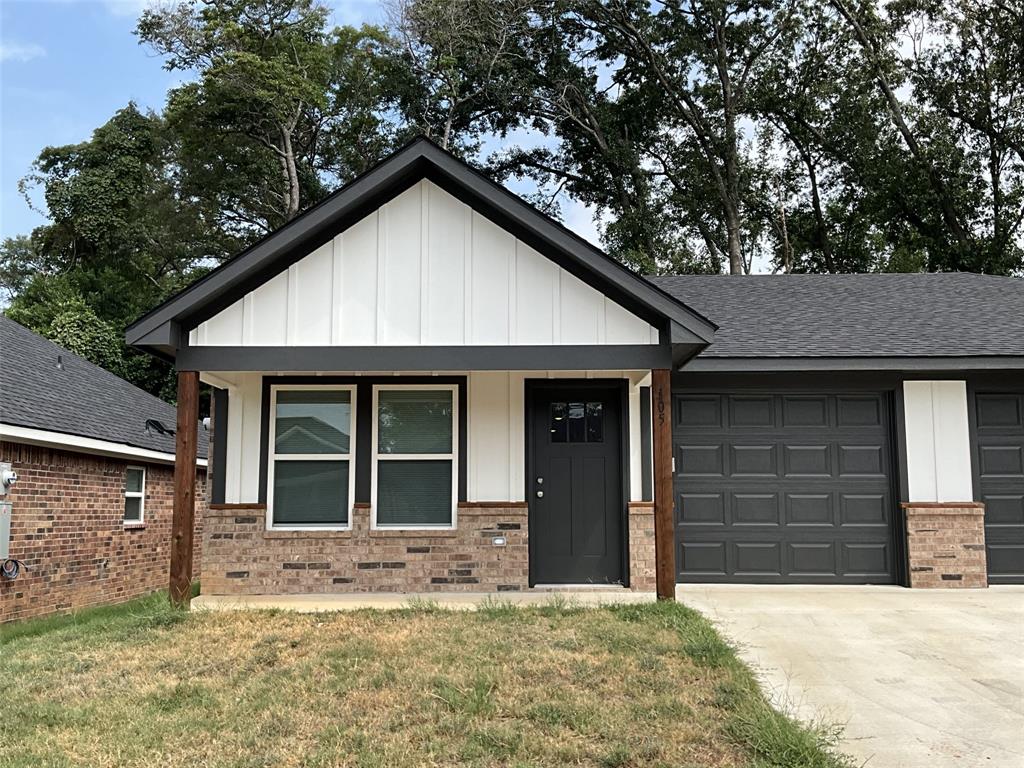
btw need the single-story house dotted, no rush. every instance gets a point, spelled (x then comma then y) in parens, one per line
(423, 383)
(89, 516)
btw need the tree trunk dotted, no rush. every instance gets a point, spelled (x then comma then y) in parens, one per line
(292, 196)
(732, 229)
(787, 256)
(819, 217)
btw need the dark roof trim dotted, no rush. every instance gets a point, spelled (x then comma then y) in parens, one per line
(423, 358)
(776, 364)
(417, 160)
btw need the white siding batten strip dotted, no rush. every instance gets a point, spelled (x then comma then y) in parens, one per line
(337, 265)
(382, 249)
(424, 262)
(292, 306)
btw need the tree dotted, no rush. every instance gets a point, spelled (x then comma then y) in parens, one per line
(281, 111)
(648, 103)
(120, 239)
(785, 133)
(967, 73)
(463, 68)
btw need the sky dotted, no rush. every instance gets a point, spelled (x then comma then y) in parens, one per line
(67, 65)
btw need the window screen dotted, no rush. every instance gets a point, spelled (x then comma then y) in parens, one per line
(415, 457)
(311, 457)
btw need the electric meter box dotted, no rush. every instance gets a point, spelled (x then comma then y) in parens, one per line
(5, 530)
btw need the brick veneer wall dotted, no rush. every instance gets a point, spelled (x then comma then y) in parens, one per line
(241, 557)
(67, 526)
(946, 545)
(641, 546)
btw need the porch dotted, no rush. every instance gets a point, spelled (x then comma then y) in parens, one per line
(546, 480)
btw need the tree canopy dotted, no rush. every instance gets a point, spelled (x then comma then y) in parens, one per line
(706, 135)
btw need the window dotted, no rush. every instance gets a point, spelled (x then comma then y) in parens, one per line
(310, 466)
(415, 434)
(577, 422)
(134, 494)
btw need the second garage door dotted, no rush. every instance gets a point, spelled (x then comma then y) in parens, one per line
(999, 459)
(784, 487)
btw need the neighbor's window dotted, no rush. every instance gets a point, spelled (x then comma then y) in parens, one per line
(415, 476)
(134, 494)
(311, 467)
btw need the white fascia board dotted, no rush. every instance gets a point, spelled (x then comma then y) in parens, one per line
(80, 444)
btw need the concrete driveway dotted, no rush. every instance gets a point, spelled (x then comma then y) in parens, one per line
(920, 678)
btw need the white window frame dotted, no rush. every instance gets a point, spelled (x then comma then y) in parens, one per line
(140, 495)
(453, 457)
(273, 458)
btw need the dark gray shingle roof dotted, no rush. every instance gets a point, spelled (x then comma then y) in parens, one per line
(876, 315)
(82, 399)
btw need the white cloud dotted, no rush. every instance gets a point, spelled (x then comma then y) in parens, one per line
(20, 51)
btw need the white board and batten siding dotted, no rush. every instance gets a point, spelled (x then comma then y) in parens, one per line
(424, 269)
(938, 441)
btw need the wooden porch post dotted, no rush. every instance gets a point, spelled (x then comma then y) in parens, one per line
(664, 518)
(183, 520)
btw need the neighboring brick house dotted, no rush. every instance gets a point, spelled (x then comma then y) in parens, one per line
(91, 508)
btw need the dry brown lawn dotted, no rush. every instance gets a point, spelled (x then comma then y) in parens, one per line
(144, 685)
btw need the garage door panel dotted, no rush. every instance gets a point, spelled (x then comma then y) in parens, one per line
(700, 460)
(791, 487)
(862, 461)
(999, 410)
(807, 461)
(1004, 509)
(757, 558)
(812, 559)
(751, 412)
(705, 558)
(1001, 460)
(864, 509)
(805, 411)
(866, 558)
(697, 411)
(701, 508)
(755, 509)
(752, 461)
(810, 509)
(855, 412)
(1005, 563)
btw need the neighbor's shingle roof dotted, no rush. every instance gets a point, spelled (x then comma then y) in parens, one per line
(876, 315)
(82, 399)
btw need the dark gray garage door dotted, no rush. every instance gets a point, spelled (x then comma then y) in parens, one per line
(999, 464)
(783, 487)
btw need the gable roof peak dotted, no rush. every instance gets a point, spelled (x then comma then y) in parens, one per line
(160, 331)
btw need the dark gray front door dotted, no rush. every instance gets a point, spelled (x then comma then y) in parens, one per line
(999, 464)
(574, 485)
(783, 487)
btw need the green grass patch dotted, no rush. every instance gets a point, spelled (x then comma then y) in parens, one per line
(152, 610)
(642, 686)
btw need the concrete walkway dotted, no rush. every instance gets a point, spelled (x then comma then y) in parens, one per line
(920, 678)
(454, 600)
